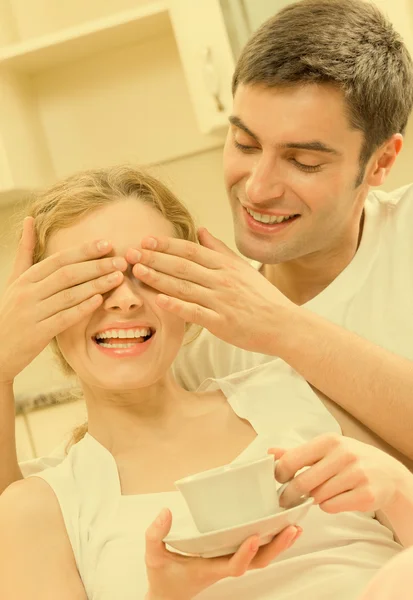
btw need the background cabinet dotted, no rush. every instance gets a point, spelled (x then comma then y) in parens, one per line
(210, 35)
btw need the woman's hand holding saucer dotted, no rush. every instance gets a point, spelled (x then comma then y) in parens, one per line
(343, 474)
(173, 576)
(42, 300)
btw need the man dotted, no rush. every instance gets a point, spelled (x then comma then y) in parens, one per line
(322, 96)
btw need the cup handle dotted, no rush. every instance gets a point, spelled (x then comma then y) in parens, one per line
(281, 489)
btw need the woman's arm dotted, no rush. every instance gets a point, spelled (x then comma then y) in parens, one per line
(36, 558)
(9, 468)
(400, 511)
(347, 475)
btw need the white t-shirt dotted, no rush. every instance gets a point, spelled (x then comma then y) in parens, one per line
(372, 296)
(335, 558)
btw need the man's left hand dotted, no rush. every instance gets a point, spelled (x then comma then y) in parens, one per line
(211, 286)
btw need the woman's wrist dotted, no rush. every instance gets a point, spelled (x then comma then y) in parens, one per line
(150, 596)
(400, 511)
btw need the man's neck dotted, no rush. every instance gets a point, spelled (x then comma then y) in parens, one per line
(303, 279)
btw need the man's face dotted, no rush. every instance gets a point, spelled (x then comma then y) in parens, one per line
(290, 152)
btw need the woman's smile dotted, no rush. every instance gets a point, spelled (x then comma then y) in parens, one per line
(126, 340)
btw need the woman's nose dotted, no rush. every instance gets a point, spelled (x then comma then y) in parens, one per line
(126, 297)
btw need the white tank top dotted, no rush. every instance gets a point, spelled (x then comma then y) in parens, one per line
(334, 559)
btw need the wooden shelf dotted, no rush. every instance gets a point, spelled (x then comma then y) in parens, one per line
(127, 27)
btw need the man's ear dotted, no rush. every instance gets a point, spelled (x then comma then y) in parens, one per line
(384, 159)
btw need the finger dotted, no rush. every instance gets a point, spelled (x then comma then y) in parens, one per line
(185, 249)
(189, 311)
(207, 240)
(155, 546)
(344, 481)
(281, 542)
(73, 296)
(63, 320)
(238, 563)
(360, 500)
(276, 452)
(314, 477)
(305, 455)
(180, 268)
(24, 255)
(171, 286)
(94, 271)
(51, 264)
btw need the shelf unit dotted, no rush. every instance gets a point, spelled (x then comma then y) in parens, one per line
(26, 157)
(74, 43)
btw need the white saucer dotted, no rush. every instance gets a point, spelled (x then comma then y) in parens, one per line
(227, 541)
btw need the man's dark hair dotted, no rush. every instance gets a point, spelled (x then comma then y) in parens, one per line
(346, 43)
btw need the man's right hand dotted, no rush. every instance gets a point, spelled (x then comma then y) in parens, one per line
(44, 299)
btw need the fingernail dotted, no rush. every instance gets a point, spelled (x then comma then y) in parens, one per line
(118, 263)
(297, 535)
(113, 277)
(162, 517)
(141, 270)
(135, 254)
(151, 243)
(254, 545)
(102, 245)
(292, 536)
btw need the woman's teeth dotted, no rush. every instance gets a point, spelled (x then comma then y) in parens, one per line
(137, 335)
(267, 218)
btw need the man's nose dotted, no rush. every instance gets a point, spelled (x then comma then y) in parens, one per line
(265, 182)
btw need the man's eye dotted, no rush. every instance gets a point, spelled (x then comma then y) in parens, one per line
(308, 168)
(243, 147)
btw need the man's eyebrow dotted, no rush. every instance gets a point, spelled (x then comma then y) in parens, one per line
(236, 121)
(314, 146)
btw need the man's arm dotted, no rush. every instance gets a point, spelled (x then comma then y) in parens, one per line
(9, 468)
(369, 382)
(211, 286)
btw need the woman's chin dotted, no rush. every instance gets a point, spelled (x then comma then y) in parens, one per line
(119, 380)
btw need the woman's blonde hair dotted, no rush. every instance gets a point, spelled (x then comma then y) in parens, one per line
(66, 202)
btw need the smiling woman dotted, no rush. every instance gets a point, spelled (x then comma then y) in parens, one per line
(87, 206)
(80, 196)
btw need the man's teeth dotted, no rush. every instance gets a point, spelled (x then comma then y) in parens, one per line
(267, 218)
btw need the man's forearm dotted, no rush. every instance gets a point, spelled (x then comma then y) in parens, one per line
(9, 468)
(372, 384)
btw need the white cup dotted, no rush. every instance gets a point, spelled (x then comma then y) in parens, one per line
(232, 495)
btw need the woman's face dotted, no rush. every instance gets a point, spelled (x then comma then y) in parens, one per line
(128, 309)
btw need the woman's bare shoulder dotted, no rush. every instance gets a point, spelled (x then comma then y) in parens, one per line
(29, 499)
(36, 557)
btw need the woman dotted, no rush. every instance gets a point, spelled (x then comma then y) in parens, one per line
(78, 530)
